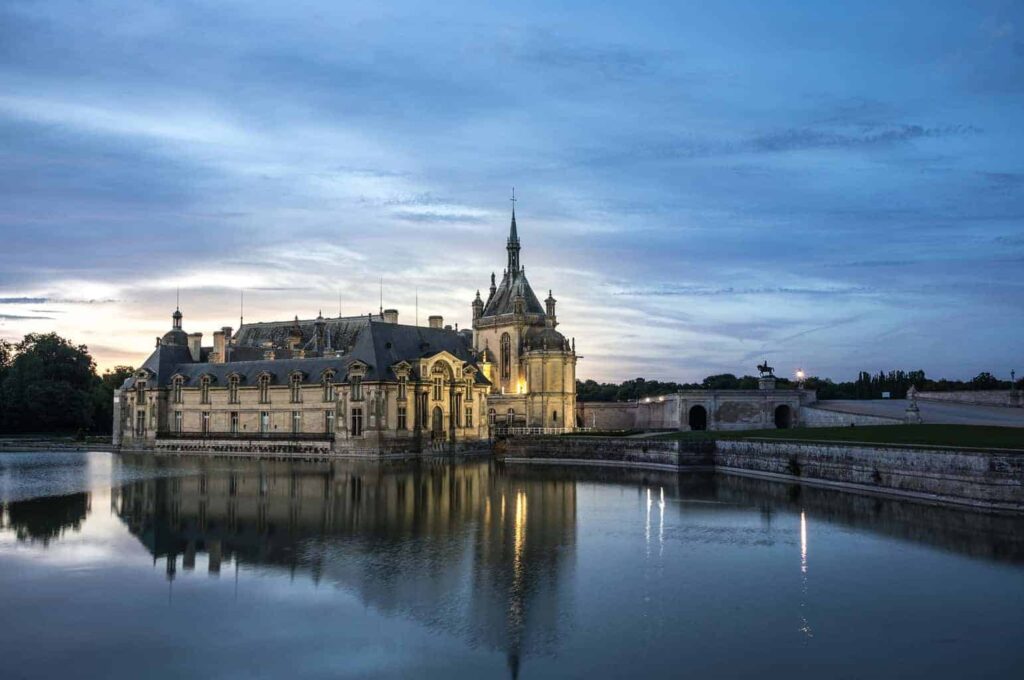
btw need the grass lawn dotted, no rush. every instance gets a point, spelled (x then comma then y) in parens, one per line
(966, 436)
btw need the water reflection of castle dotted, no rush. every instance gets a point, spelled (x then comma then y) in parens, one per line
(461, 547)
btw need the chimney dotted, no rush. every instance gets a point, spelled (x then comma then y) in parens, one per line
(195, 340)
(218, 348)
(391, 316)
(435, 321)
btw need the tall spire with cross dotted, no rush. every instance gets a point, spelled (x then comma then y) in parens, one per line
(513, 240)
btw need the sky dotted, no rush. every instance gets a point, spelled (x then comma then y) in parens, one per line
(702, 185)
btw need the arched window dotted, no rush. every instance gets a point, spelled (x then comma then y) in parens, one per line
(264, 385)
(296, 387)
(506, 356)
(204, 390)
(233, 389)
(178, 380)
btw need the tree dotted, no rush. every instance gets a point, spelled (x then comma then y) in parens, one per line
(48, 386)
(103, 397)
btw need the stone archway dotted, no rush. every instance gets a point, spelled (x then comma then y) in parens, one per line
(783, 417)
(698, 418)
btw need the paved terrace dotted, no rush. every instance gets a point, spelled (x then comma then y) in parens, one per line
(931, 412)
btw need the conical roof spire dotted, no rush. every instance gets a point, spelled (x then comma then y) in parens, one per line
(513, 239)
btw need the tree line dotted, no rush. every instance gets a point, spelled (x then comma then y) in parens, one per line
(866, 386)
(48, 384)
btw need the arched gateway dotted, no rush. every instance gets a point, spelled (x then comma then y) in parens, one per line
(783, 417)
(698, 418)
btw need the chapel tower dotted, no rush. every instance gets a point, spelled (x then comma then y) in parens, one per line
(531, 366)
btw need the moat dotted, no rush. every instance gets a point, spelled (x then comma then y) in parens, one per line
(142, 566)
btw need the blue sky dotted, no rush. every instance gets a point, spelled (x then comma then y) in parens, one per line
(703, 185)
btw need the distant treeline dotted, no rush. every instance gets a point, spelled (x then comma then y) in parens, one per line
(866, 386)
(49, 385)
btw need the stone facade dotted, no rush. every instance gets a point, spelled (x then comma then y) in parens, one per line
(1010, 398)
(701, 410)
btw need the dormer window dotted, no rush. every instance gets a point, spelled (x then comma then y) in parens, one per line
(264, 387)
(356, 383)
(403, 387)
(176, 389)
(296, 388)
(204, 390)
(233, 389)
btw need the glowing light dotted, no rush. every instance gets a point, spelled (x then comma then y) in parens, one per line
(803, 542)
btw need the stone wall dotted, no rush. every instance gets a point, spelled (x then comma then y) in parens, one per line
(607, 415)
(607, 451)
(991, 480)
(981, 398)
(984, 478)
(819, 417)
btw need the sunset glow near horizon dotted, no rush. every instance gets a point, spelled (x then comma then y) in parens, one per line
(702, 185)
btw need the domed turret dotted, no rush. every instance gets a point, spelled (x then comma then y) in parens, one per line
(546, 338)
(175, 336)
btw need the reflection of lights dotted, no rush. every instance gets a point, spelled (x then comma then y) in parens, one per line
(522, 387)
(518, 543)
(661, 522)
(647, 523)
(803, 542)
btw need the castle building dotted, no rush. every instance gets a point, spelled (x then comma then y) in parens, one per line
(362, 384)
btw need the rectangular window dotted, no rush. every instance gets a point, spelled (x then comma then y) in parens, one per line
(357, 422)
(264, 421)
(177, 391)
(177, 421)
(140, 423)
(437, 389)
(296, 390)
(233, 391)
(401, 418)
(152, 418)
(357, 388)
(204, 392)
(234, 422)
(469, 416)
(329, 421)
(457, 410)
(328, 390)
(264, 390)
(206, 422)
(469, 390)
(402, 387)
(296, 422)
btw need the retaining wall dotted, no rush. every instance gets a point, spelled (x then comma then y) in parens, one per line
(820, 417)
(981, 398)
(988, 479)
(608, 452)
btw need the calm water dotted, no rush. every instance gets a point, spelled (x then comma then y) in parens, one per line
(118, 566)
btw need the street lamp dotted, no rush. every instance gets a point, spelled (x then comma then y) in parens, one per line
(800, 376)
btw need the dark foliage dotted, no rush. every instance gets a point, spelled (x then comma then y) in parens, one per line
(866, 386)
(48, 384)
(43, 519)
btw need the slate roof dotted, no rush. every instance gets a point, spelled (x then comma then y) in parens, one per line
(339, 333)
(377, 344)
(512, 284)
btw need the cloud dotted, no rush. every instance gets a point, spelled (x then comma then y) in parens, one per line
(15, 317)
